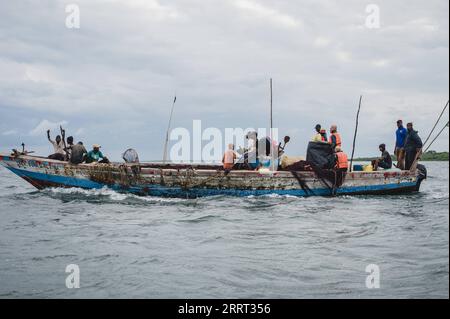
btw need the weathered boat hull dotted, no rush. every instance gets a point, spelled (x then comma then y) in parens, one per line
(195, 181)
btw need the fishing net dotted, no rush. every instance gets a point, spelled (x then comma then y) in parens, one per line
(130, 156)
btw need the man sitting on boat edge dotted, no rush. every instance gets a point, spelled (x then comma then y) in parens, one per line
(385, 161)
(95, 155)
(78, 153)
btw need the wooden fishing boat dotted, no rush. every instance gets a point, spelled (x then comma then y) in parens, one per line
(178, 180)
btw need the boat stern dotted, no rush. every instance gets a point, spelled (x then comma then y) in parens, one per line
(422, 175)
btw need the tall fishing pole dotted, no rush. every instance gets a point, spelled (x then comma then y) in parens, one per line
(440, 132)
(271, 128)
(168, 130)
(420, 152)
(356, 132)
(63, 136)
(435, 124)
(417, 157)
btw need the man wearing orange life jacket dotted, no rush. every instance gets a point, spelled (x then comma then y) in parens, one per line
(341, 166)
(335, 138)
(341, 160)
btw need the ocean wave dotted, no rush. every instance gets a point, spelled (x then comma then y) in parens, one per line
(276, 196)
(111, 195)
(438, 196)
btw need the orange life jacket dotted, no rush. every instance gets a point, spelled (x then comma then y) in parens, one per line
(342, 160)
(338, 139)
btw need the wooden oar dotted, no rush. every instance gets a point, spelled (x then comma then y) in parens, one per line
(416, 161)
(63, 136)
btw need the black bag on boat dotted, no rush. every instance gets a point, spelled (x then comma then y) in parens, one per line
(321, 155)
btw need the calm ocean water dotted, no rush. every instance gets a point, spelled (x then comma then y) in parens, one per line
(223, 247)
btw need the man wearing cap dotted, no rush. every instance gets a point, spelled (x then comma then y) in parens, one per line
(399, 151)
(95, 155)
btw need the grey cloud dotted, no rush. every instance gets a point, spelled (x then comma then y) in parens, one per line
(119, 71)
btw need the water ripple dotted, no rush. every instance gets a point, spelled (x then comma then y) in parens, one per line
(223, 247)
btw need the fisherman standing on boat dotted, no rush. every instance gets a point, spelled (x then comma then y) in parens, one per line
(341, 167)
(335, 138)
(95, 155)
(413, 146)
(341, 160)
(58, 146)
(385, 161)
(401, 134)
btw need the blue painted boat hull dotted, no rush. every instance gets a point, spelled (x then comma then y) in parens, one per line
(189, 183)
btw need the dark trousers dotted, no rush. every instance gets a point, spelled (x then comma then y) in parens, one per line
(340, 176)
(409, 160)
(384, 165)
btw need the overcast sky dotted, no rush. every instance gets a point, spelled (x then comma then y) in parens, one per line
(112, 80)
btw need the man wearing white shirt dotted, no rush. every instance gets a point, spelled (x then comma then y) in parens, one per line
(58, 146)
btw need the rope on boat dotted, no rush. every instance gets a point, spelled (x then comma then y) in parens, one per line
(123, 175)
(126, 178)
(161, 177)
(329, 178)
(308, 191)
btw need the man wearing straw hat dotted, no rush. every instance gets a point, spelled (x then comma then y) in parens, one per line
(95, 155)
